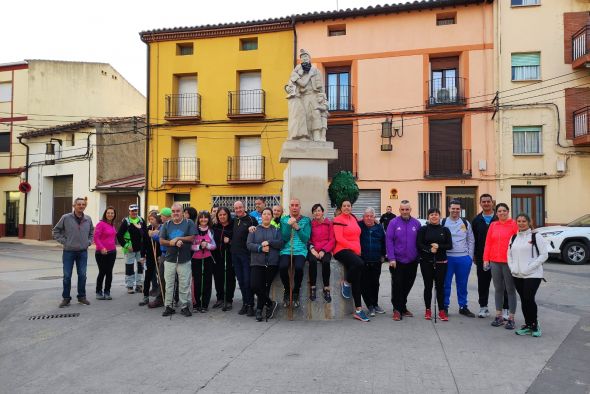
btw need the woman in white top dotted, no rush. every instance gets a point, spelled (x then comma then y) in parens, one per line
(526, 254)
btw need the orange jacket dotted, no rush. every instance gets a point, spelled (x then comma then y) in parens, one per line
(497, 241)
(347, 233)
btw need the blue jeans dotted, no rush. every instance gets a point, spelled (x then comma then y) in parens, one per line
(241, 263)
(81, 260)
(460, 266)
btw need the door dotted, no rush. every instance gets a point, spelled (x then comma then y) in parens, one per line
(121, 202)
(187, 156)
(341, 136)
(12, 205)
(529, 200)
(250, 161)
(467, 196)
(186, 103)
(444, 86)
(249, 96)
(62, 196)
(338, 89)
(445, 155)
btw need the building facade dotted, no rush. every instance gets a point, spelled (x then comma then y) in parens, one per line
(37, 94)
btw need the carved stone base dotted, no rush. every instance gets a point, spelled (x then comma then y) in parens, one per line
(300, 149)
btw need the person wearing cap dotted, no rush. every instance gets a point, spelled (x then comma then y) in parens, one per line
(133, 237)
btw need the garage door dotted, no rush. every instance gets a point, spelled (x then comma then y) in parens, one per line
(367, 198)
(62, 196)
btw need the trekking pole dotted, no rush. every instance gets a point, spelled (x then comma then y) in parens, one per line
(202, 281)
(291, 278)
(175, 271)
(224, 280)
(157, 268)
(435, 288)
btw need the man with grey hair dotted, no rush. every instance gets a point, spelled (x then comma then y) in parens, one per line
(74, 231)
(373, 254)
(243, 225)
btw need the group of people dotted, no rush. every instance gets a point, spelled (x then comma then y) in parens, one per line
(184, 252)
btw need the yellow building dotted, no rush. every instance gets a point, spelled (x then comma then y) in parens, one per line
(218, 112)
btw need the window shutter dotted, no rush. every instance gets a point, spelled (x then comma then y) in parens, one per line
(526, 59)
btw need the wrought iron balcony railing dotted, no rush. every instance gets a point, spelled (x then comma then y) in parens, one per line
(454, 163)
(186, 105)
(247, 103)
(246, 169)
(181, 169)
(446, 91)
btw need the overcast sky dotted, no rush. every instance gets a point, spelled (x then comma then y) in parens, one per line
(107, 30)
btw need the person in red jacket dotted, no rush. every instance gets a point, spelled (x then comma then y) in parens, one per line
(348, 252)
(495, 255)
(321, 246)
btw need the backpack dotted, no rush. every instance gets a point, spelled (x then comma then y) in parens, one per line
(465, 222)
(533, 242)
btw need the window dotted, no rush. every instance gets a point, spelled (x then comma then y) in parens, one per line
(518, 3)
(526, 140)
(339, 89)
(4, 142)
(186, 101)
(526, 66)
(5, 91)
(250, 99)
(448, 18)
(249, 44)
(336, 30)
(184, 49)
(427, 200)
(70, 139)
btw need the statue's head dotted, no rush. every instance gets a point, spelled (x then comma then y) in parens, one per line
(304, 56)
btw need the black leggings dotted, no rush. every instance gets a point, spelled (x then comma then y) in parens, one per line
(261, 278)
(105, 263)
(354, 271)
(202, 281)
(298, 264)
(313, 269)
(224, 276)
(527, 289)
(370, 284)
(437, 275)
(151, 278)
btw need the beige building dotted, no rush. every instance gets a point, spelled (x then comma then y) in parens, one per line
(542, 119)
(37, 94)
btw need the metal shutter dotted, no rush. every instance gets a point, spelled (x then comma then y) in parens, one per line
(367, 198)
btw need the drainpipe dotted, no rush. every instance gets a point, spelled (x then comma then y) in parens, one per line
(294, 41)
(147, 139)
(26, 179)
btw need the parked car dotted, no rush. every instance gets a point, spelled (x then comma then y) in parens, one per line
(570, 242)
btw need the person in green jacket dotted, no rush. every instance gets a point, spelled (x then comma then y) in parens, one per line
(295, 230)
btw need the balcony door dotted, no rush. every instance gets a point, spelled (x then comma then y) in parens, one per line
(250, 163)
(249, 97)
(444, 86)
(186, 103)
(187, 153)
(338, 89)
(445, 155)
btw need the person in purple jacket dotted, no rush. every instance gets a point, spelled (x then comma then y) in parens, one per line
(402, 253)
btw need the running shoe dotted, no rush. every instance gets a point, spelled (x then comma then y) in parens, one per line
(498, 321)
(536, 331)
(483, 312)
(379, 310)
(346, 290)
(397, 316)
(510, 324)
(524, 330)
(360, 315)
(442, 315)
(466, 312)
(428, 314)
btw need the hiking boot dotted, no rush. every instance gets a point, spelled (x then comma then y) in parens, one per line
(379, 310)
(130, 290)
(536, 331)
(186, 312)
(371, 311)
(505, 314)
(139, 289)
(428, 314)
(270, 310)
(407, 313)
(157, 303)
(258, 314)
(243, 310)
(83, 301)
(107, 295)
(466, 312)
(524, 330)
(168, 311)
(346, 290)
(100, 295)
(327, 296)
(218, 304)
(65, 302)
(442, 315)
(296, 303)
(360, 315)
(227, 307)
(145, 301)
(397, 316)
(286, 299)
(312, 294)
(250, 311)
(498, 321)
(483, 312)
(510, 324)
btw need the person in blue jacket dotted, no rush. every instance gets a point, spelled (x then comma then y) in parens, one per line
(373, 254)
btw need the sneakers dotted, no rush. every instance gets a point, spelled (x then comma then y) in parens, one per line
(312, 294)
(371, 311)
(536, 332)
(466, 312)
(285, 299)
(428, 314)
(157, 303)
(250, 311)
(379, 310)
(218, 304)
(65, 302)
(204, 310)
(360, 315)
(107, 295)
(227, 307)
(296, 303)
(258, 314)
(483, 312)
(243, 310)
(524, 330)
(408, 314)
(168, 311)
(130, 290)
(510, 325)
(346, 290)
(139, 289)
(505, 314)
(100, 295)
(498, 321)
(442, 315)
(270, 310)
(327, 296)
(186, 312)
(397, 316)
(83, 301)
(145, 301)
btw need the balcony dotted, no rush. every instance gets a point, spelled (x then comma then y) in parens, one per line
(181, 170)
(581, 48)
(246, 104)
(446, 91)
(455, 163)
(245, 169)
(339, 98)
(345, 162)
(186, 106)
(582, 127)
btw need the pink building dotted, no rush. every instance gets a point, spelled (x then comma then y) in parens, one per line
(421, 72)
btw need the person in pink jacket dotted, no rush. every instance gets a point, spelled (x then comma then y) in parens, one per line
(495, 255)
(105, 237)
(321, 246)
(347, 233)
(202, 262)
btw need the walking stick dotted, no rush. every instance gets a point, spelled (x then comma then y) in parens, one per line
(202, 281)
(224, 280)
(157, 269)
(291, 278)
(435, 288)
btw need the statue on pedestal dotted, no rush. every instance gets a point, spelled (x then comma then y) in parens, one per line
(308, 104)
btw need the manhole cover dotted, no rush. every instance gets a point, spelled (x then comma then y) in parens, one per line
(50, 277)
(56, 316)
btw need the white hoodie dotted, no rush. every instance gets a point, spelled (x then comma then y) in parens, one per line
(523, 259)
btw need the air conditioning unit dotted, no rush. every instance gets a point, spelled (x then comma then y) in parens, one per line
(443, 96)
(560, 165)
(483, 165)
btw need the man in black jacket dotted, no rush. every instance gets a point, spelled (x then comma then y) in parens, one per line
(133, 237)
(243, 224)
(387, 217)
